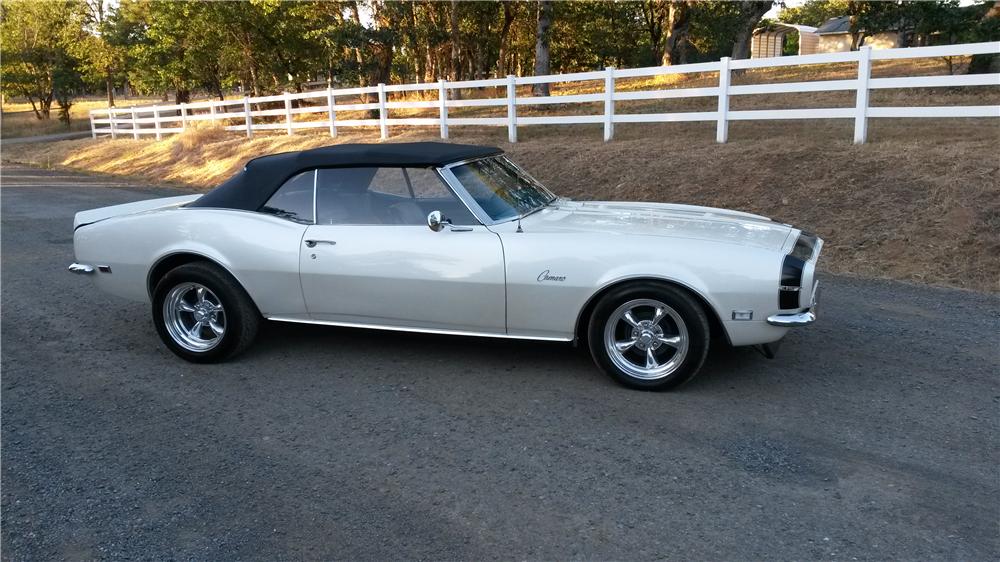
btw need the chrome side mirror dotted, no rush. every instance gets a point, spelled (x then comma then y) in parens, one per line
(436, 221)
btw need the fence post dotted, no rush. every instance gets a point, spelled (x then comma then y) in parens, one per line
(114, 130)
(246, 114)
(211, 111)
(511, 109)
(443, 100)
(288, 112)
(331, 111)
(382, 125)
(861, 104)
(156, 122)
(184, 117)
(93, 130)
(609, 103)
(722, 128)
(135, 126)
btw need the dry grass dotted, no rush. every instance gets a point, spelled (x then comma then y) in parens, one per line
(18, 120)
(904, 206)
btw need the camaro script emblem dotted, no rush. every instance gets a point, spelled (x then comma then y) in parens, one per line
(544, 276)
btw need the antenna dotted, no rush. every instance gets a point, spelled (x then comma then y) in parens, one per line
(519, 224)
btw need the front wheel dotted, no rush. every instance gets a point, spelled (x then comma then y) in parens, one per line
(202, 314)
(649, 336)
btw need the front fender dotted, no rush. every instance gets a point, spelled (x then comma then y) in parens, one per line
(726, 276)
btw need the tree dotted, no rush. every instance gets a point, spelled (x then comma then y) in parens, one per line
(748, 16)
(987, 29)
(813, 12)
(36, 62)
(170, 46)
(668, 23)
(678, 30)
(542, 40)
(509, 11)
(455, 41)
(654, 14)
(100, 60)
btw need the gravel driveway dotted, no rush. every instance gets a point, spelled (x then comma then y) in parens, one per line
(874, 434)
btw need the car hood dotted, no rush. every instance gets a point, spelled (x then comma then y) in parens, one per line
(659, 219)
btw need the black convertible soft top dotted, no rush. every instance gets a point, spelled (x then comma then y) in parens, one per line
(261, 177)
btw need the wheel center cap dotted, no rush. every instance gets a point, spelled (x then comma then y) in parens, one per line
(202, 313)
(646, 338)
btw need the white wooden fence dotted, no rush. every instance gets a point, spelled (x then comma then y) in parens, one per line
(135, 122)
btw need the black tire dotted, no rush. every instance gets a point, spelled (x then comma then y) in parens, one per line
(241, 317)
(683, 306)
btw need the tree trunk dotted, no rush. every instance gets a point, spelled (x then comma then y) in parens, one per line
(110, 84)
(34, 108)
(987, 63)
(678, 33)
(542, 38)
(455, 48)
(508, 20)
(857, 39)
(362, 77)
(749, 16)
(455, 41)
(653, 11)
(415, 54)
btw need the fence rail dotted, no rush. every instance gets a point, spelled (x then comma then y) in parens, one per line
(136, 122)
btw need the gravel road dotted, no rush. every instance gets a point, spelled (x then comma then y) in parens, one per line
(47, 138)
(873, 434)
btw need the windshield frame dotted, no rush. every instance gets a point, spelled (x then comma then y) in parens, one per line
(470, 202)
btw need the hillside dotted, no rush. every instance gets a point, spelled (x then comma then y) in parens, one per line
(910, 205)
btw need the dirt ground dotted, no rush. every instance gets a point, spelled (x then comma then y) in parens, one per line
(903, 206)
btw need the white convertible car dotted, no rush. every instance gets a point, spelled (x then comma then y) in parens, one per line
(450, 239)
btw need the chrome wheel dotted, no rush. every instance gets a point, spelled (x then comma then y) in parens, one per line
(194, 317)
(646, 339)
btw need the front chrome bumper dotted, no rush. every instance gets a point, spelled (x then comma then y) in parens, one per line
(797, 319)
(81, 268)
(792, 320)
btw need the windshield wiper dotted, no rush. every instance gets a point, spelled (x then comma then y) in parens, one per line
(536, 209)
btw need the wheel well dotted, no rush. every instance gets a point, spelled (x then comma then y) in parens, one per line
(715, 327)
(168, 263)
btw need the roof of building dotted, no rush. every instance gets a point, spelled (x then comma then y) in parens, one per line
(780, 25)
(839, 24)
(250, 188)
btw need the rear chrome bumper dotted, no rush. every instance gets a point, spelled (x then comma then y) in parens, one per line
(792, 320)
(81, 268)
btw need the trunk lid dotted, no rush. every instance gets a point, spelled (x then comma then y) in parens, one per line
(94, 215)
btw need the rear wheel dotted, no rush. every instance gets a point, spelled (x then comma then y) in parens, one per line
(202, 314)
(649, 336)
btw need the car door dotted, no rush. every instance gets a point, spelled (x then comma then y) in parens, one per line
(370, 258)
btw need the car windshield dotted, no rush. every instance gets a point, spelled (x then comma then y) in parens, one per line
(501, 189)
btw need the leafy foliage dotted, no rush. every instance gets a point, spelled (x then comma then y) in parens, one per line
(37, 62)
(51, 49)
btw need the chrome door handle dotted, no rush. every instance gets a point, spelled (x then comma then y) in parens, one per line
(312, 243)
